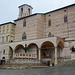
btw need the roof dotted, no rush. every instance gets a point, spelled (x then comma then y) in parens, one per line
(7, 23)
(44, 13)
(25, 5)
(60, 8)
(28, 16)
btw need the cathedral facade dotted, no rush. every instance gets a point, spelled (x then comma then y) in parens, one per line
(39, 37)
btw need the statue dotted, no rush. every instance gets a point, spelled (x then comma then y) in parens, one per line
(73, 49)
(25, 48)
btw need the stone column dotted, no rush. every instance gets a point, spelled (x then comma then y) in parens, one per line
(13, 54)
(39, 54)
(55, 55)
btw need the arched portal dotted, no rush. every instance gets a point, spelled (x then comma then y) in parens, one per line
(3, 58)
(33, 50)
(47, 50)
(10, 52)
(60, 49)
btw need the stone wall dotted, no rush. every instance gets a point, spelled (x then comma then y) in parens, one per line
(58, 27)
(30, 29)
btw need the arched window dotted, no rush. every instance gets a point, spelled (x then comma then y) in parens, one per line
(49, 22)
(65, 18)
(24, 23)
(49, 34)
(3, 51)
(24, 36)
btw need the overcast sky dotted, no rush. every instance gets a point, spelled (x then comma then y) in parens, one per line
(9, 8)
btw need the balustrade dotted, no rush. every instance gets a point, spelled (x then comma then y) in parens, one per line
(20, 55)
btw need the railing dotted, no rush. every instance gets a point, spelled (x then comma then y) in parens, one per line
(20, 55)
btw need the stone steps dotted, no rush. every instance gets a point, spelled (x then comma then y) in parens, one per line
(22, 66)
(67, 63)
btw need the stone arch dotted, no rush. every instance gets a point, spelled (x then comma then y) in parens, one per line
(61, 44)
(47, 50)
(3, 58)
(19, 49)
(19, 45)
(60, 47)
(33, 49)
(10, 52)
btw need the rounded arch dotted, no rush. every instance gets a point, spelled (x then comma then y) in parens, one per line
(19, 49)
(60, 47)
(33, 49)
(48, 43)
(10, 52)
(3, 58)
(19, 45)
(32, 44)
(47, 50)
(60, 44)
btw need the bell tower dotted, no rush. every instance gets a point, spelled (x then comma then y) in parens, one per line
(25, 10)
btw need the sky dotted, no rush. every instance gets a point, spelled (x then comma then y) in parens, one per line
(9, 8)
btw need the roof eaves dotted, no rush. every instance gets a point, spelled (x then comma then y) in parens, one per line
(27, 16)
(7, 23)
(60, 8)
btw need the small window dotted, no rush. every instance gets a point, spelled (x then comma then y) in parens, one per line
(3, 31)
(12, 31)
(0, 32)
(64, 10)
(2, 39)
(24, 23)
(3, 27)
(3, 51)
(49, 15)
(28, 11)
(12, 26)
(6, 38)
(24, 36)
(7, 26)
(65, 18)
(11, 40)
(21, 10)
(49, 34)
(49, 22)
(7, 30)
